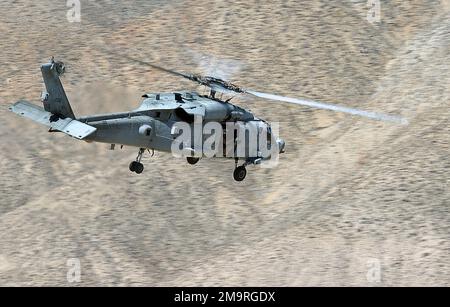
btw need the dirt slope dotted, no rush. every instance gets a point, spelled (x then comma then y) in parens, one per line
(348, 191)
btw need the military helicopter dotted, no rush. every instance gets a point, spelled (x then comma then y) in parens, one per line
(152, 125)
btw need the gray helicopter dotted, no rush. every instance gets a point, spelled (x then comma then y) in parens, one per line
(153, 125)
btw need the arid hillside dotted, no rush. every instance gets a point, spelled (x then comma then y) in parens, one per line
(349, 195)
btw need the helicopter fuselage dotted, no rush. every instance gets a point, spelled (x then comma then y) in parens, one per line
(153, 124)
(185, 123)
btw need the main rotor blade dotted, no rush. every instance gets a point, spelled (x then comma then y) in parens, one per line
(220, 85)
(325, 106)
(215, 84)
(169, 71)
(213, 66)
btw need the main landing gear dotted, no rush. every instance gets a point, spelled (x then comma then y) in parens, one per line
(192, 160)
(136, 166)
(240, 172)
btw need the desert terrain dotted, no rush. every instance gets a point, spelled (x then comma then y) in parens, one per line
(349, 195)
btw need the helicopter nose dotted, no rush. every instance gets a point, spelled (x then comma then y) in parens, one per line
(281, 144)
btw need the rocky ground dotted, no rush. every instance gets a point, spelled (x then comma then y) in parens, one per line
(349, 196)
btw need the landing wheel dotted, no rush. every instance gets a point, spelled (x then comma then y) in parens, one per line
(239, 173)
(133, 166)
(139, 168)
(136, 167)
(192, 160)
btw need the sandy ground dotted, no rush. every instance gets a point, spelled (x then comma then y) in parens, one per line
(349, 196)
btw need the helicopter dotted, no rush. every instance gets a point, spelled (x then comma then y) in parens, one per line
(155, 124)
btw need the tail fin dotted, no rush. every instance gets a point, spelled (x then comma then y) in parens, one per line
(55, 100)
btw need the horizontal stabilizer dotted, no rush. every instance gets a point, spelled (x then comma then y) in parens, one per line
(69, 126)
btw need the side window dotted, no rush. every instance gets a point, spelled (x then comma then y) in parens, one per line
(269, 136)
